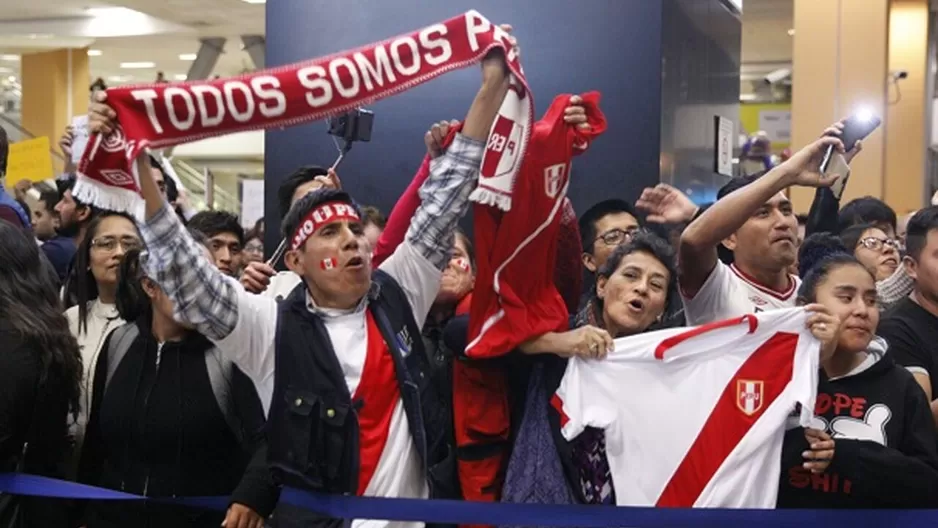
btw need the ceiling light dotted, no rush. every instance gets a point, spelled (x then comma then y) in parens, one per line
(791, 32)
(5, 70)
(137, 65)
(254, 1)
(187, 57)
(36, 36)
(11, 58)
(94, 53)
(180, 77)
(120, 78)
(12, 78)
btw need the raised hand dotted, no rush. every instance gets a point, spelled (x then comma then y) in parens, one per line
(804, 166)
(101, 117)
(435, 136)
(837, 130)
(666, 205)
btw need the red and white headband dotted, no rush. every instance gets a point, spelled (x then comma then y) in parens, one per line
(324, 214)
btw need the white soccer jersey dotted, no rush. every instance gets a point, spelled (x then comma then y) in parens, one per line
(696, 417)
(728, 292)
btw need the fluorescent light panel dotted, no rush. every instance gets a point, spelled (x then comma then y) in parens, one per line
(180, 77)
(94, 53)
(10, 58)
(187, 57)
(137, 65)
(254, 1)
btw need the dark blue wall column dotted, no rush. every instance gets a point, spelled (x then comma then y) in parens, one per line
(614, 46)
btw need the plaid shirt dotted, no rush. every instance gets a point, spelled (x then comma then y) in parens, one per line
(209, 300)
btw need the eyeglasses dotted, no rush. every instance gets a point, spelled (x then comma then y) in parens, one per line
(876, 244)
(110, 244)
(254, 248)
(614, 237)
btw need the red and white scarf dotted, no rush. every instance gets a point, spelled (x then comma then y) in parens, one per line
(163, 115)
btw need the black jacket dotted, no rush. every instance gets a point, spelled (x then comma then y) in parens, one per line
(313, 427)
(34, 412)
(885, 453)
(156, 429)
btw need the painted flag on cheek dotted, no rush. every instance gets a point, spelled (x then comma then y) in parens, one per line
(462, 264)
(328, 263)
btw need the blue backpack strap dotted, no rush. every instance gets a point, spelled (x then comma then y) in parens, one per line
(220, 370)
(120, 342)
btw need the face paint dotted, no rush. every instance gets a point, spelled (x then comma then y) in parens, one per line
(462, 264)
(328, 264)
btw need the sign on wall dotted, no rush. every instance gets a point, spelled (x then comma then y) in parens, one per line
(29, 160)
(776, 124)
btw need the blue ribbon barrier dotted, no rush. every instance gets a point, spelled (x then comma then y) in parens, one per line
(463, 512)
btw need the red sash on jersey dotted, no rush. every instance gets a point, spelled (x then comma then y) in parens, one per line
(379, 392)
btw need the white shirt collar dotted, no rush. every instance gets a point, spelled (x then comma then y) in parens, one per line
(335, 312)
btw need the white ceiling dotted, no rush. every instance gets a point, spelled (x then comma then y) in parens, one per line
(765, 31)
(26, 26)
(179, 25)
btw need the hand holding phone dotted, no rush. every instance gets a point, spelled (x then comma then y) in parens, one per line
(855, 128)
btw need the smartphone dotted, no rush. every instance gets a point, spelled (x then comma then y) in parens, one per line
(353, 126)
(856, 127)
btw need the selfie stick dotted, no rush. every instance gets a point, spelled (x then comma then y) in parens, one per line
(283, 242)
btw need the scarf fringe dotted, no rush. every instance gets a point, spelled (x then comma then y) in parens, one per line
(486, 197)
(108, 197)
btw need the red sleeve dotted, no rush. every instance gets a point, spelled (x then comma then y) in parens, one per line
(399, 219)
(568, 274)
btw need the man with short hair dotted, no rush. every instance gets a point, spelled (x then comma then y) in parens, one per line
(911, 326)
(604, 226)
(752, 218)
(60, 250)
(74, 215)
(225, 237)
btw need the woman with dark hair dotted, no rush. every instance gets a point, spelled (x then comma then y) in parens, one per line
(41, 372)
(634, 290)
(874, 438)
(109, 236)
(171, 416)
(873, 248)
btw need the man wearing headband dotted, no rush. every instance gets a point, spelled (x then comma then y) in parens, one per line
(339, 363)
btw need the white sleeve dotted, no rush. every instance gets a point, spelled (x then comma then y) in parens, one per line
(418, 277)
(712, 301)
(580, 399)
(251, 344)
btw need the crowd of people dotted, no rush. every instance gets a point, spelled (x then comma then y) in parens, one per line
(163, 356)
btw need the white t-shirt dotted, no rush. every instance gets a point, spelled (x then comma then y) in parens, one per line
(728, 292)
(399, 472)
(102, 319)
(696, 417)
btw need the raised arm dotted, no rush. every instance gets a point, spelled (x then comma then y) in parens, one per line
(418, 262)
(243, 325)
(698, 248)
